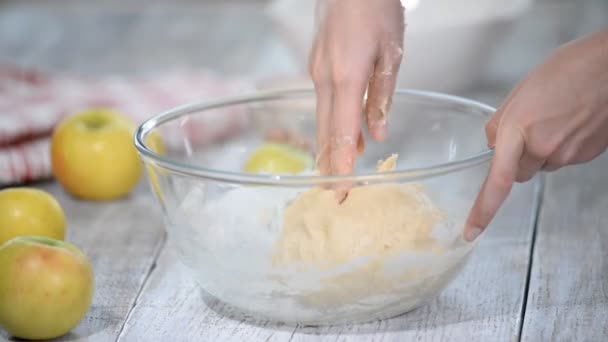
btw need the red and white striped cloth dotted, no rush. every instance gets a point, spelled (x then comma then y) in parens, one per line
(33, 102)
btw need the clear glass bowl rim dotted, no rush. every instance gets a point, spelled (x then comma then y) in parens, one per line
(398, 175)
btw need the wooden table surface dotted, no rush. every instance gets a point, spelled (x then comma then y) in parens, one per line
(538, 274)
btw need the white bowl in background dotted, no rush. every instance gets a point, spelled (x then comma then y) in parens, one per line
(448, 44)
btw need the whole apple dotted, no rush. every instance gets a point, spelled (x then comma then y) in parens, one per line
(276, 158)
(46, 287)
(28, 211)
(93, 156)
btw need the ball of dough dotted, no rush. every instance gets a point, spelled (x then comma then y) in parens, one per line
(375, 221)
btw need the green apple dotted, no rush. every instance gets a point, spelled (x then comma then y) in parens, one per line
(46, 287)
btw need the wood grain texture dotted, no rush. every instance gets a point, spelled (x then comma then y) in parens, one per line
(121, 239)
(568, 295)
(484, 302)
(173, 307)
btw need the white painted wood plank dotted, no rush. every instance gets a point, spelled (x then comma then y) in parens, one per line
(121, 239)
(568, 295)
(172, 307)
(484, 302)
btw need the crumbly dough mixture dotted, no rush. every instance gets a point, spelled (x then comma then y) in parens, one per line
(362, 235)
(374, 221)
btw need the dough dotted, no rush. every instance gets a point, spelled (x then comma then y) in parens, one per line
(374, 221)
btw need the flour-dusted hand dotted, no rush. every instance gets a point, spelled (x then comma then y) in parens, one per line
(358, 46)
(556, 117)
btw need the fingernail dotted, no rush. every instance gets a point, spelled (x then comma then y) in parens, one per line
(472, 233)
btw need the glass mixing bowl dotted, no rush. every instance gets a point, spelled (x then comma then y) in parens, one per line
(226, 224)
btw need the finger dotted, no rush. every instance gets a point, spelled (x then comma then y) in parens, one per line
(345, 130)
(381, 89)
(498, 184)
(323, 127)
(320, 74)
(494, 122)
(528, 166)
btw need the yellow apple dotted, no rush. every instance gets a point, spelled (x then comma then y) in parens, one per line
(93, 156)
(275, 158)
(27, 211)
(46, 287)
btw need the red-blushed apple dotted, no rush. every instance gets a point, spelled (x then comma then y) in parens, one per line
(46, 287)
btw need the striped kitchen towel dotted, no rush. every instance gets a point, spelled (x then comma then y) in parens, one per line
(33, 102)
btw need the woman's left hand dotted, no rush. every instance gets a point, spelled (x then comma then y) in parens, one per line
(555, 117)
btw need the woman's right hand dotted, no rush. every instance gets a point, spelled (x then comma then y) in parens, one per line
(359, 43)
